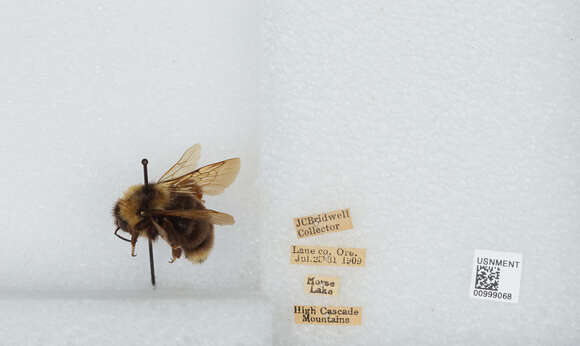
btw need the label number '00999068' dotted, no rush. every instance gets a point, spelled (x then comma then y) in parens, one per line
(492, 294)
(496, 276)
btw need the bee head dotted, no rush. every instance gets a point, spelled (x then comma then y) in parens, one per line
(127, 210)
(120, 223)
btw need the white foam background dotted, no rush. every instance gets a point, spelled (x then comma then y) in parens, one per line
(445, 127)
(136, 318)
(87, 90)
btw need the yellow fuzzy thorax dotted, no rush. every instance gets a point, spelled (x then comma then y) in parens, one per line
(133, 201)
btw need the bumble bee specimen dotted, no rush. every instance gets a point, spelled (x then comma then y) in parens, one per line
(173, 207)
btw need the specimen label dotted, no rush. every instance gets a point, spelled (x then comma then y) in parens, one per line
(496, 276)
(327, 256)
(317, 224)
(323, 285)
(328, 315)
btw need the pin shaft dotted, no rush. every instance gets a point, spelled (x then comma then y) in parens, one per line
(144, 162)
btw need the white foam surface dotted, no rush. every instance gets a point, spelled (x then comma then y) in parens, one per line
(445, 127)
(162, 317)
(88, 90)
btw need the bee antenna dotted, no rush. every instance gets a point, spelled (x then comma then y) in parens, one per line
(125, 239)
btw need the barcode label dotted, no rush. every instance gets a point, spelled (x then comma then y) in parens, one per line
(496, 276)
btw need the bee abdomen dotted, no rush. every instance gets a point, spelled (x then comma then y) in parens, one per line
(201, 252)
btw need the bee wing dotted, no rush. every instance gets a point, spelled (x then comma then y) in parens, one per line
(208, 215)
(211, 179)
(186, 164)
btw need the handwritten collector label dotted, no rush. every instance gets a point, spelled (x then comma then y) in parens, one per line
(328, 315)
(327, 256)
(333, 221)
(318, 284)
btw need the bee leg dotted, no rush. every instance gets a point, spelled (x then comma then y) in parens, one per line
(175, 253)
(134, 237)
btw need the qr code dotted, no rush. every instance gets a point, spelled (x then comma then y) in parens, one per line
(487, 278)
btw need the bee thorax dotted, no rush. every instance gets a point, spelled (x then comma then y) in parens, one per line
(138, 199)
